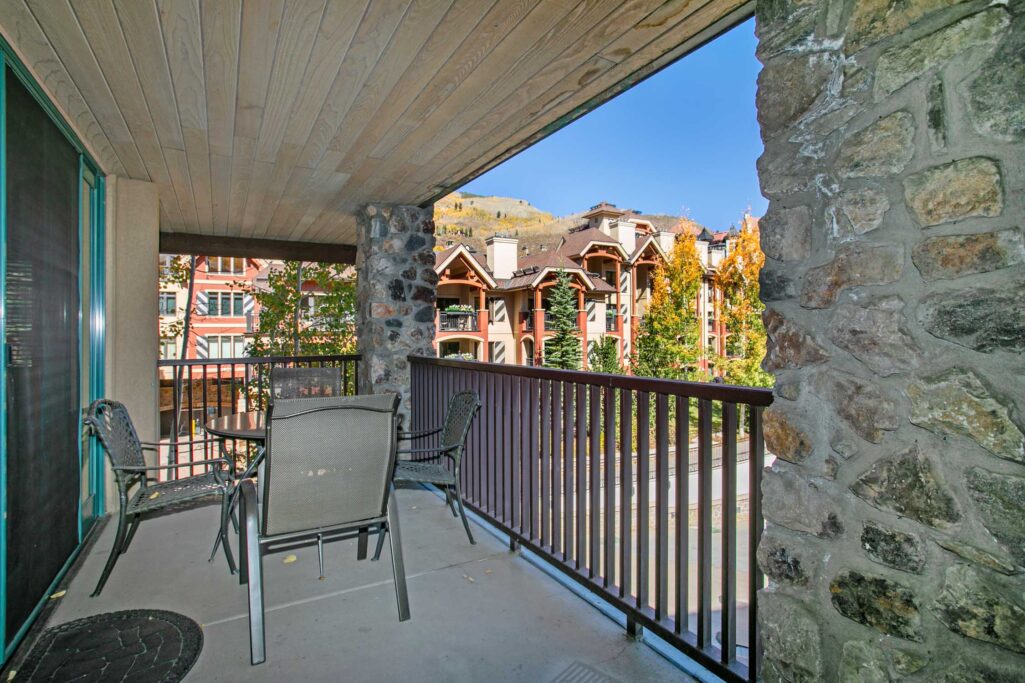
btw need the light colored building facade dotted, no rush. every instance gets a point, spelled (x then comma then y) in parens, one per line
(493, 307)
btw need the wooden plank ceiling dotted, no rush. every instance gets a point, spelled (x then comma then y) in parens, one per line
(276, 118)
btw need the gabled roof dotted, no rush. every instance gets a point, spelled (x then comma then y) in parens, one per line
(577, 242)
(644, 244)
(445, 257)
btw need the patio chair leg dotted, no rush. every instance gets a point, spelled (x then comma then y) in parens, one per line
(462, 513)
(362, 542)
(320, 554)
(254, 578)
(397, 566)
(222, 534)
(243, 546)
(131, 533)
(115, 552)
(451, 501)
(380, 543)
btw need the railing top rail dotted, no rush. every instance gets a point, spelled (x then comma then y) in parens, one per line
(730, 393)
(173, 363)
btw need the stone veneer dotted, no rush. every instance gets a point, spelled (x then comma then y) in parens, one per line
(395, 293)
(895, 168)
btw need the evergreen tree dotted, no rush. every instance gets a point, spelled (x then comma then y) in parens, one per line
(604, 356)
(742, 312)
(667, 344)
(563, 349)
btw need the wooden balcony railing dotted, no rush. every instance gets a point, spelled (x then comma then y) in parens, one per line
(625, 485)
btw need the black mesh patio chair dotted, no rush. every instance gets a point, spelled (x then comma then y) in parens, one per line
(427, 465)
(305, 382)
(327, 476)
(110, 422)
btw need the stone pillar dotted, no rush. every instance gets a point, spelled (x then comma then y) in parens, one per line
(895, 291)
(395, 293)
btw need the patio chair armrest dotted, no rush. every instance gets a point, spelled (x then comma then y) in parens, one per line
(150, 468)
(442, 450)
(151, 445)
(412, 436)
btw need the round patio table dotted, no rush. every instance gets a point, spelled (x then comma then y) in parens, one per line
(249, 426)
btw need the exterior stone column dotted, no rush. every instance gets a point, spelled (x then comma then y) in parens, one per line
(895, 289)
(395, 294)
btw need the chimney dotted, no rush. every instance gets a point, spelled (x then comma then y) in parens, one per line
(624, 232)
(501, 255)
(666, 240)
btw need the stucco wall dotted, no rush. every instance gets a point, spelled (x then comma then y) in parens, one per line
(895, 167)
(132, 335)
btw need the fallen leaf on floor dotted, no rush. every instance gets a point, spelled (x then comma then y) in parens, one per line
(289, 559)
(487, 571)
(154, 495)
(469, 578)
(11, 674)
(58, 594)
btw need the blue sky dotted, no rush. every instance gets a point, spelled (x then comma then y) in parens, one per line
(685, 141)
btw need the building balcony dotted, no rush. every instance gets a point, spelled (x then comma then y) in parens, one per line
(458, 322)
(611, 323)
(558, 495)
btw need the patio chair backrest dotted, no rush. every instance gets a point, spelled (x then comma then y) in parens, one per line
(329, 461)
(462, 408)
(110, 422)
(305, 382)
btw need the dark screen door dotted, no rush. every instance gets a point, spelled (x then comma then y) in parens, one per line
(41, 353)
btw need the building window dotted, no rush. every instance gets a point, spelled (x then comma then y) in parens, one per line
(168, 349)
(168, 303)
(166, 264)
(225, 265)
(225, 304)
(226, 346)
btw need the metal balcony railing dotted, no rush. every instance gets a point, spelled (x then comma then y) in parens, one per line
(607, 477)
(458, 322)
(193, 392)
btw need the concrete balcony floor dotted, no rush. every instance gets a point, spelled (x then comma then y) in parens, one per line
(479, 613)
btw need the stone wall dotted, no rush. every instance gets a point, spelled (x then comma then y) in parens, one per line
(395, 292)
(895, 167)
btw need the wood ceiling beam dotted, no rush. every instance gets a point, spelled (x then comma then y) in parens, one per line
(286, 250)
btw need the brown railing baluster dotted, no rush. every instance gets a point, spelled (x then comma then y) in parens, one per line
(507, 438)
(519, 408)
(546, 464)
(609, 507)
(682, 513)
(728, 602)
(555, 500)
(594, 472)
(533, 459)
(626, 483)
(580, 431)
(643, 496)
(661, 506)
(568, 501)
(704, 633)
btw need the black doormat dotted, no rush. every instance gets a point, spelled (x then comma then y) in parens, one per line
(135, 646)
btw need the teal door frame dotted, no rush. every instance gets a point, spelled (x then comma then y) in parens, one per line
(92, 313)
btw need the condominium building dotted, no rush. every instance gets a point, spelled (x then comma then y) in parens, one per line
(494, 307)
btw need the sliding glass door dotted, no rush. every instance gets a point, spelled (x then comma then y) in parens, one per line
(51, 326)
